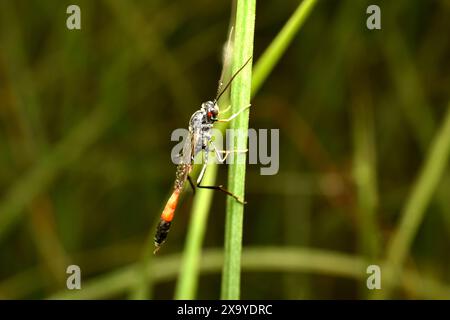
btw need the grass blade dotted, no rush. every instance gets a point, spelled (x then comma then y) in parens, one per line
(419, 199)
(279, 45)
(240, 97)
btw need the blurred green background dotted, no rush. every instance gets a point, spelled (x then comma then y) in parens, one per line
(86, 118)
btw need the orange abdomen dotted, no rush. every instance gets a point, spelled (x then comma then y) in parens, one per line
(171, 205)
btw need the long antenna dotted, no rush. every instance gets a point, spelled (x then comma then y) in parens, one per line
(231, 79)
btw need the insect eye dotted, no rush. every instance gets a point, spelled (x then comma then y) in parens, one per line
(213, 113)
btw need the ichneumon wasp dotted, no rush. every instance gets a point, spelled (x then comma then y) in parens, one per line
(199, 139)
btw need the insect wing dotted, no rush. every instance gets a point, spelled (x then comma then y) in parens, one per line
(187, 152)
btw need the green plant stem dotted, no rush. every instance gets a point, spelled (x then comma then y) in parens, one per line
(190, 264)
(255, 259)
(419, 199)
(273, 54)
(365, 180)
(364, 175)
(240, 97)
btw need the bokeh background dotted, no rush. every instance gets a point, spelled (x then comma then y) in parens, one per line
(86, 118)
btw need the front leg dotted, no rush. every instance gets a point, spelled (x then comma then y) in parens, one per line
(234, 115)
(205, 163)
(225, 152)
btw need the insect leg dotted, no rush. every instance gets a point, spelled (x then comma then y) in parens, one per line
(234, 115)
(226, 152)
(205, 163)
(191, 183)
(222, 189)
(219, 188)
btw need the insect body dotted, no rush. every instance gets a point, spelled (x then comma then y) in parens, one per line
(199, 139)
(200, 126)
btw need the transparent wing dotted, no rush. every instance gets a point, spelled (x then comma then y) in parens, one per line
(188, 149)
(227, 53)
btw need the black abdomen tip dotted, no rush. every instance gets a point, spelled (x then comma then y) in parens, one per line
(161, 233)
